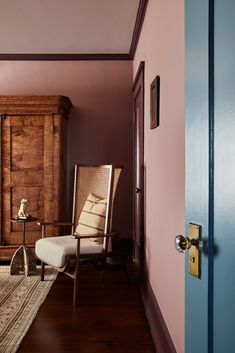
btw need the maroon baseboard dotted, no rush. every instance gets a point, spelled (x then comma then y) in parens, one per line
(159, 330)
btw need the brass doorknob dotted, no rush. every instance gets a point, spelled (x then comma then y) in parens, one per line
(183, 243)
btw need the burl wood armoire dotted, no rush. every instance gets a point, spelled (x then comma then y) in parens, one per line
(32, 165)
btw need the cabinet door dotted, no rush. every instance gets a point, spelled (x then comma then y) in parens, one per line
(27, 172)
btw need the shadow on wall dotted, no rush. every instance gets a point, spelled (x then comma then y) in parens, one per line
(95, 139)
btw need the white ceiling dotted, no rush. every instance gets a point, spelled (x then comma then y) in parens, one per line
(67, 26)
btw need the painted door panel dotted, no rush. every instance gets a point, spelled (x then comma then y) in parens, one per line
(196, 319)
(210, 172)
(224, 201)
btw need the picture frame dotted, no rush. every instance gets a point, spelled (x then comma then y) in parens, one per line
(155, 103)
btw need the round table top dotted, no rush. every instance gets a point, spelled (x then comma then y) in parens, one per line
(29, 219)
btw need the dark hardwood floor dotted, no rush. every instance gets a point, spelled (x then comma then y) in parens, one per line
(109, 319)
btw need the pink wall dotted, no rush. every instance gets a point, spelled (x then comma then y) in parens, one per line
(100, 124)
(161, 46)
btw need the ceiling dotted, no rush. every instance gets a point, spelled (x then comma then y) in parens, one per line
(67, 26)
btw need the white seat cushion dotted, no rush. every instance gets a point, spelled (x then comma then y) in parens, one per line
(53, 250)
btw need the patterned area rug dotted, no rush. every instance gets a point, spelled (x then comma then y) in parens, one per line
(20, 300)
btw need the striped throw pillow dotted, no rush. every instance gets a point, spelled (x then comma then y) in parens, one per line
(92, 217)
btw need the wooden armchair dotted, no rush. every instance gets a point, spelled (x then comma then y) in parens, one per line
(91, 227)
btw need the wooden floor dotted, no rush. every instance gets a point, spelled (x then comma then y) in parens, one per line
(109, 319)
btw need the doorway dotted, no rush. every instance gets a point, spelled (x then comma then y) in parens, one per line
(138, 176)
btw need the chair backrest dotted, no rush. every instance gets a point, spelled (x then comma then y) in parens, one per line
(100, 180)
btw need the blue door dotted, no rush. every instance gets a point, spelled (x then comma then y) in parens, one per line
(210, 173)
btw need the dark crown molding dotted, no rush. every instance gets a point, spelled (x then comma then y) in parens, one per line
(138, 26)
(80, 57)
(63, 57)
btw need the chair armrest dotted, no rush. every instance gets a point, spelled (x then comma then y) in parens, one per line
(55, 224)
(108, 235)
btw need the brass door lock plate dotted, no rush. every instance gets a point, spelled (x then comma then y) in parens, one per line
(194, 250)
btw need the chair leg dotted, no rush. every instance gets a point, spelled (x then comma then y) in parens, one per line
(103, 267)
(75, 292)
(42, 270)
(75, 284)
(123, 264)
(122, 261)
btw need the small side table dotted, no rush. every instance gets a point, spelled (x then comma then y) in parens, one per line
(23, 260)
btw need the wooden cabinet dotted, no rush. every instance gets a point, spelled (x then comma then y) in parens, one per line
(32, 164)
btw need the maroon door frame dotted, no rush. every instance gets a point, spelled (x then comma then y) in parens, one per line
(138, 176)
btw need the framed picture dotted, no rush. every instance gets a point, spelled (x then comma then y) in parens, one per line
(155, 103)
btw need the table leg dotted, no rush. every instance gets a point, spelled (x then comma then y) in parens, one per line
(17, 262)
(23, 262)
(26, 261)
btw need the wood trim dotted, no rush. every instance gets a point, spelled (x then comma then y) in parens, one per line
(138, 248)
(34, 105)
(158, 327)
(49, 169)
(74, 194)
(140, 72)
(63, 57)
(138, 26)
